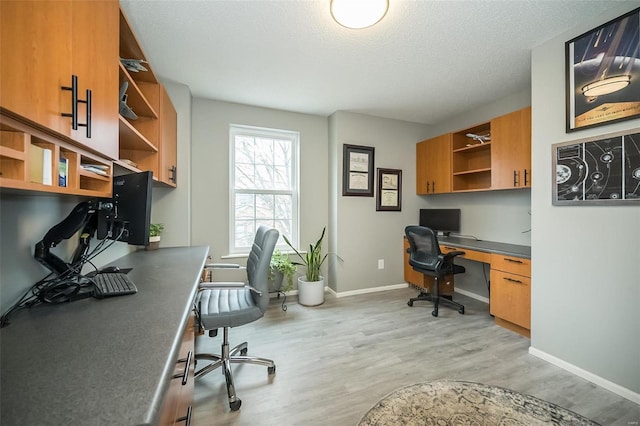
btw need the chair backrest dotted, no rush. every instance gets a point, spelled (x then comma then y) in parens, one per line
(424, 250)
(258, 264)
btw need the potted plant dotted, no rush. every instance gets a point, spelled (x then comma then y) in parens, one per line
(281, 267)
(311, 285)
(155, 229)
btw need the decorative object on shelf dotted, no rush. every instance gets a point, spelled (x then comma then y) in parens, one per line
(134, 65)
(358, 14)
(477, 403)
(125, 110)
(389, 196)
(603, 72)
(311, 285)
(357, 170)
(100, 169)
(155, 229)
(601, 170)
(280, 268)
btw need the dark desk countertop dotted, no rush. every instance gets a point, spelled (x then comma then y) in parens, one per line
(487, 246)
(101, 362)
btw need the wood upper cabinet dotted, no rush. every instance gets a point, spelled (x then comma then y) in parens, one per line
(511, 150)
(44, 44)
(433, 165)
(168, 152)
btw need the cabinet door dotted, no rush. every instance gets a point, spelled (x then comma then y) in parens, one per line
(511, 150)
(36, 61)
(95, 62)
(511, 298)
(168, 139)
(433, 165)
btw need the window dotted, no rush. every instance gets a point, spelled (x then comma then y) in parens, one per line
(264, 184)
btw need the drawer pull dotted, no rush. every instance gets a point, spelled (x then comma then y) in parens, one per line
(185, 373)
(511, 280)
(74, 102)
(512, 260)
(186, 419)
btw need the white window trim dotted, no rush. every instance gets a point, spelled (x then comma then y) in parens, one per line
(239, 129)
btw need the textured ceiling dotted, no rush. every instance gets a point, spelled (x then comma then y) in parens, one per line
(426, 61)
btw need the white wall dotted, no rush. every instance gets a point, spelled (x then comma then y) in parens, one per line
(210, 169)
(585, 293)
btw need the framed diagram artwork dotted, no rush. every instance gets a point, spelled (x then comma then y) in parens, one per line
(389, 195)
(357, 170)
(603, 74)
(602, 170)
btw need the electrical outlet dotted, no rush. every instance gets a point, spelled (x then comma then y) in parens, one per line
(380, 263)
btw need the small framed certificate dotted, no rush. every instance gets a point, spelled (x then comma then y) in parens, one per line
(357, 175)
(389, 196)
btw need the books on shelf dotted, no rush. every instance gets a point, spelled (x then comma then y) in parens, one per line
(40, 165)
(63, 170)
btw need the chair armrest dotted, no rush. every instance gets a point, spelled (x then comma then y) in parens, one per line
(220, 285)
(223, 266)
(454, 253)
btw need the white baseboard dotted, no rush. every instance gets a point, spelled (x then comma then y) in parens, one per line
(368, 290)
(472, 295)
(613, 387)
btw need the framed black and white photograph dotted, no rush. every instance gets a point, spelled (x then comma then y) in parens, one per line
(603, 74)
(357, 170)
(602, 170)
(389, 195)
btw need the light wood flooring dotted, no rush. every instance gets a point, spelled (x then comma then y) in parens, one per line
(335, 361)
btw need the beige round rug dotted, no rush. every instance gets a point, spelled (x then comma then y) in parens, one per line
(446, 402)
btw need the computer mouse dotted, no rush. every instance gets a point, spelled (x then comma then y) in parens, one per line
(110, 269)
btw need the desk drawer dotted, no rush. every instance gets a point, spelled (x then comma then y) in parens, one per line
(478, 256)
(512, 264)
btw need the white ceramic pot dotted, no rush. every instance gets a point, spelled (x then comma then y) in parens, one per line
(310, 293)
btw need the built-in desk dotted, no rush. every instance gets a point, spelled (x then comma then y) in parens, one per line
(102, 362)
(510, 291)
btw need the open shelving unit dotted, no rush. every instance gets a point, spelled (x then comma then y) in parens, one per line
(471, 164)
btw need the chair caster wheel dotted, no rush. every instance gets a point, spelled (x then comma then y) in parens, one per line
(235, 405)
(461, 310)
(243, 352)
(434, 313)
(271, 370)
(410, 303)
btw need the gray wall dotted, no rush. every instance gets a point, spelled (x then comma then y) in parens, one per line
(586, 262)
(210, 169)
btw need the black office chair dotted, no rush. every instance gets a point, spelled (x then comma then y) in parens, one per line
(231, 304)
(425, 257)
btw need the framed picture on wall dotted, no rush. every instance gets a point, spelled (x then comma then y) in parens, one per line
(603, 74)
(602, 170)
(389, 195)
(357, 170)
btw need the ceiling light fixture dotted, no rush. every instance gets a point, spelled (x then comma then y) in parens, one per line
(358, 14)
(606, 86)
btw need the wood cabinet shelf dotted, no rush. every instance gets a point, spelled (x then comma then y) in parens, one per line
(136, 99)
(468, 172)
(476, 147)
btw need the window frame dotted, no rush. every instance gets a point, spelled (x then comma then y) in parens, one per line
(253, 131)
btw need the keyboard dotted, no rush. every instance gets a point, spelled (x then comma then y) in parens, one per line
(113, 284)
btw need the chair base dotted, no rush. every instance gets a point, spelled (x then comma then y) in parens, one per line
(225, 359)
(436, 301)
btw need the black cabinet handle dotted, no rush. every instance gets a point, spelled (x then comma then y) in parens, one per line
(512, 260)
(186, 419)
(515, 178)
(74, 102)
(433, 186)
(427, 186)
(185, 373)
(87, 124)
(173, 177)
(526, 175)
(511, 280)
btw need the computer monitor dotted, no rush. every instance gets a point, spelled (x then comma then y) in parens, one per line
(129, 219)
(444, 221)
